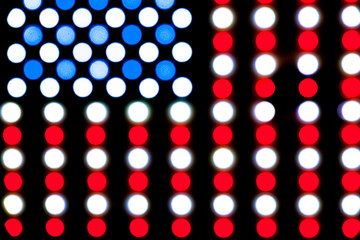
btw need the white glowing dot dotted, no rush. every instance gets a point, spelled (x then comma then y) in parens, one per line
(350, 111)
(264, 18)
(115, 17)
(97, 112)
(181, 204)
(181, 18)
(55, 204)
(137, 204)
(308, 112)
(308, 158)
(10, 112)
(54, 158)
(82, 87)
(265, 205)
(49, 18)
(148, 52)
(148, 88)
(223, 205)
(138, 112)
(54, 112)
(16, 18)
(82, 52)
(350, 205)
(264, 111)
(32, 4)
(265, 158)
(148, 17)
(82, 18)
(350, 63)
(182, 52)
(223, 158)
(138, 158)
(115, 52)
(180, 158)
(308, 64)
(308, 17)
(223, 65)
(223, 111)
(222, 18)
(350, 16)
(265, 64)
(12, 158)
(49, 87)
(115, 87)
(182, 87)
(97, 204)
(350, 158)
(13, 204)
(16, 53)
(16, 87)
(180, 112)
(49, 52)
(308, 205)
(96, 158)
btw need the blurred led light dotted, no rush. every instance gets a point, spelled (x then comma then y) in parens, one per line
(350, 205)
(182, 52)
(265, 64)
(181, 158)
(16, 53)
(131, 34)
(182, 87)
(115, 52)
(115, 17)
(138, 158)
(148, 52)
(350, 63)
(138, 112)
(308, 205)
(222, 18)
(350, 16)
(99, 69)
(82, 18)
(16, 87)
(180, 112)
(308, 64)
(97, 112)
(264, 17)
(350, 111)
(132, 69)
(223, 111)
(116, 87)
(66, 69)
(308, 158)
(98, 4)
(164, 4)
(165, 34)
(181, 204)
(82, 87)
(181, 18)
(96, 158)
(350, 158)
(308, 17)
(137, 205)
(16, 18)
(54, 112)
(148, 88)
(32, 4)
(65, 5)
(223, 65)
(32, 35)
(82, 52)
(49, 18)
(265, 205)
(265, 158)
(55, 204)
(97, 204)
(308, 112)
(49, 52)
(131, 4)
(98, 34)
(223, 158)
(65, 35)
(148, 17)
(13, 204)
(10, 112)
(12, 158)
(54, 158)
(33, 69)
(223, 205)
(264, 111)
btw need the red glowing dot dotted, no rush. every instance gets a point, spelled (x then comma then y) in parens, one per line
(223, 228)
(222, 135)
(308, 181)
(309, 134)
(265, 1)
(223, 181)
(180, 181)
(308, 40)
(180, 135)
(266, 228)
(223, 41)
(309, 228)
(55, 227)
(222, 1)
(351, 181)
(351, 228)
(54, 181)
(14, 227)
(96, 181)
(95, 135)
(181, 227)
(139, 227)
(12, 135)
(222, 88)
(351, 1)
(350, 134)
(308, 1)
(265, 41)
(351, 40)
(54, 135)
(265, 88)
(308, 88)
(265, 181)
(13, 181)
(96, 227)
(265, 134)
(351, 87)
(138, 181)
(138, 135)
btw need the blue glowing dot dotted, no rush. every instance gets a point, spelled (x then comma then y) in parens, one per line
(65, 4)
(99, 69)
(98, 34)
(131, 34)
(165, 70)
(66, 69)
(33, 35)
(98, 4)
(65, 35)
(164, 4)
(33, 69)
(32, 4)
(132, 69)
(131, 4)
(165, 34)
